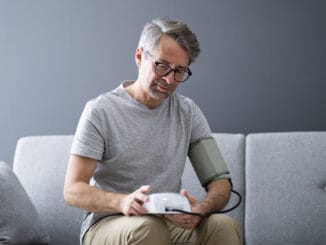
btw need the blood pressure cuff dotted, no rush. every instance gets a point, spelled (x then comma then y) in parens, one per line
(207, 161)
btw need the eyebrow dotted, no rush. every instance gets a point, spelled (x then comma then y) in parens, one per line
(168, 63)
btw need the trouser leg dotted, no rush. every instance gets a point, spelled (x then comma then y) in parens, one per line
(136, 230)
(214, 230)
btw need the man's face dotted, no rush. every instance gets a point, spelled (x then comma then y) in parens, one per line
(156, 87)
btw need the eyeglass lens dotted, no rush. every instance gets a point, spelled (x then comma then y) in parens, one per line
(164, 70)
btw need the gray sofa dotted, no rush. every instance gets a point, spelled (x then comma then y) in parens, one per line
(281, 176)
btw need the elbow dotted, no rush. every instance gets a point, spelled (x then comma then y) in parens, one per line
(68, 195)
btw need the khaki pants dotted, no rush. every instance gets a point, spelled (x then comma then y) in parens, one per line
(154, 230)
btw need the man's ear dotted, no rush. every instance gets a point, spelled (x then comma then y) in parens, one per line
(138, 56)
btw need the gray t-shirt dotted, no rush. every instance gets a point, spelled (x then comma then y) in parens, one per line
(135, 145)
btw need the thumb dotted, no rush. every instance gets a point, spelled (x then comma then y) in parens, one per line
(145, 189)
(184, 193)
(190, 198)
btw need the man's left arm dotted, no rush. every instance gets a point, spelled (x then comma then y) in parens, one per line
(218, 195)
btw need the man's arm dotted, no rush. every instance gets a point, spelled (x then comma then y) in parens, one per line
(218, 195)
(78, 192)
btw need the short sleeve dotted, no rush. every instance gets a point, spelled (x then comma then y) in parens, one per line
(88, 140)
(200, 127)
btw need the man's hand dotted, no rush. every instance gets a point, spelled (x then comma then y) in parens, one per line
(187, 221)
(132, 204)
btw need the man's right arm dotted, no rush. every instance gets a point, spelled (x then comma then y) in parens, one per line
(79, 193)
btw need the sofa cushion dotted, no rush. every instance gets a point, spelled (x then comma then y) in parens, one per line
(40, 163)
(285, 195)
(19, 221)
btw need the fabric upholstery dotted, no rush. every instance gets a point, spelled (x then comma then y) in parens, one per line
(44, 158)
(19, 220)
(40, 163)
(281, 176)
(285, 195)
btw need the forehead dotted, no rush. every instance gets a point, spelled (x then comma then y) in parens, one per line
(168, 50)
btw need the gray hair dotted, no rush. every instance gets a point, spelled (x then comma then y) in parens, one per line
(154, 30)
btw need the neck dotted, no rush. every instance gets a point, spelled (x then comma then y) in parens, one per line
(135, 91)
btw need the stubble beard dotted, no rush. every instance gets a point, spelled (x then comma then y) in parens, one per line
(160, 95)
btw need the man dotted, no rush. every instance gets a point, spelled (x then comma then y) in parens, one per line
(134, 141)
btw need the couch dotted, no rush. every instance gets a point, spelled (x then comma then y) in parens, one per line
(281, 177)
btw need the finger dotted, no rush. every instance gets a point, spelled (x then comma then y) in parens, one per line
(141, 198)
(185, 224)
(172, 218)
(179, 219)
(191, 223)
(191, 198)
(145, 189)
(184, 221)
(183, 192)
(138, 208)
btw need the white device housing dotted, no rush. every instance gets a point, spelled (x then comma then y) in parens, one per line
(160, 203)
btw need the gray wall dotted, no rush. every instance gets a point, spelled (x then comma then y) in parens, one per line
(262, 66)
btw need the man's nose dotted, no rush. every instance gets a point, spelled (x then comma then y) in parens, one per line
(169, 78)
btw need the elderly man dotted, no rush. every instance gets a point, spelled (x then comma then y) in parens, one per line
(134, 141)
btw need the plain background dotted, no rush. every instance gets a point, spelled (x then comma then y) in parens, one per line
(262, 66)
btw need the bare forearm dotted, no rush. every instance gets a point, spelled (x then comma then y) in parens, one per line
(217, 197)
(89, 198)
(78, 192)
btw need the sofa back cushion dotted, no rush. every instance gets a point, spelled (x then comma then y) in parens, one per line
(285, 195)
(232, 147)
(40, 164)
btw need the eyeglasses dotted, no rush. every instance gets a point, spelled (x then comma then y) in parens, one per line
(163, 69)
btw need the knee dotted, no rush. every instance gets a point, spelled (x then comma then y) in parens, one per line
(151, 224)
(150, 229)
(136, 230)
(223, 224)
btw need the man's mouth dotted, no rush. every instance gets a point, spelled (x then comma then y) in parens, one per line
(163, 87)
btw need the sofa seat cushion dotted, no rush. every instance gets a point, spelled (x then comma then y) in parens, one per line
(19, 221)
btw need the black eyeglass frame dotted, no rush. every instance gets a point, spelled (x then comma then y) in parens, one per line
(157, 63)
